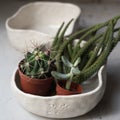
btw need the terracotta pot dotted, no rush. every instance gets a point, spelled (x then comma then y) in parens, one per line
(75, 88)
(35, 86)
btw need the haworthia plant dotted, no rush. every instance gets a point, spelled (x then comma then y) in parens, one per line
(68, 76)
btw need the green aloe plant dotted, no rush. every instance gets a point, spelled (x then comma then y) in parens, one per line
(93, 54)
(68, 76)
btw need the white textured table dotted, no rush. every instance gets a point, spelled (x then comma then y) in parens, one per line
(10, 109)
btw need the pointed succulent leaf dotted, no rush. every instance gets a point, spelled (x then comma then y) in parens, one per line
(60, 75)
(66, 62)
(77, 62)
(75, 71)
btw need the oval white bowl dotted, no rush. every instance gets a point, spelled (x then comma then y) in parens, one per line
(63, 106)
(37, 23)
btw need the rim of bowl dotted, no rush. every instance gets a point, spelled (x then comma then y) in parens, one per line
(100, 79)
(36, 3)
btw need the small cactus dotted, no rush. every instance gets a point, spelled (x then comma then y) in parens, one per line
(68, 76)
(37, 64)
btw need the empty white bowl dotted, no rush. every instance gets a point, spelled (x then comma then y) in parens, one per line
(63, 106)
(37, 23)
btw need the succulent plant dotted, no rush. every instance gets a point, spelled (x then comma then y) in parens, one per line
(37, 64)
(93, 54)
(68, 76)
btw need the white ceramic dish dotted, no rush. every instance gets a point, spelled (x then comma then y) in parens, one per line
(37, 23)
(63, 106)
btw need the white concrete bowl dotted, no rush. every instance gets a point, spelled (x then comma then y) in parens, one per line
(37, 23)
(63, 106)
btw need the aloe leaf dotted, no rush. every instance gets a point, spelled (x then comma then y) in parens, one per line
(75, 71)
(66, 62)
(56, 37)
(60, 75)
(77, 62)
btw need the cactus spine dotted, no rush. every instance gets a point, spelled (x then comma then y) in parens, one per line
(37, 64)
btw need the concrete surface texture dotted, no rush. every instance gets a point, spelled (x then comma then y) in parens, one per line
(10, 109)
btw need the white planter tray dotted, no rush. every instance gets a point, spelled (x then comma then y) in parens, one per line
(37, 23)
(63, 106)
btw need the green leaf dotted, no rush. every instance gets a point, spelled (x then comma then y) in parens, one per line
(75, 71)
(66, 62)
(77, 62)
(60, 75)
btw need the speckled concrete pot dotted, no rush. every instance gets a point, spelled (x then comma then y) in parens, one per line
(37, 23)
(63, 106)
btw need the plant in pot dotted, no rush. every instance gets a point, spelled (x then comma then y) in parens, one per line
(74, 62)
(93, 54)
(35, 72)
(65, 49)
(65, 86)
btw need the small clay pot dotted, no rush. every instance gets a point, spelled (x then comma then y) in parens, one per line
(74, 89)
(35, 86)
